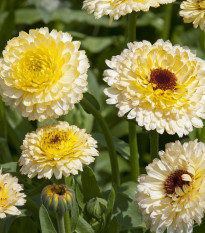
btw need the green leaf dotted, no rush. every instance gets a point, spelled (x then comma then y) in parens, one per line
(91, 99)
(46, 223)
(2, 120)
(5, 155)
(113, 227)
(96, 44)
(74, 215)
(83, 226)
(93, 86)
(6, 223)
(9, 167)
(27, 16)
(89, 184)
(110, 205)
(126, 210)
(121, 146)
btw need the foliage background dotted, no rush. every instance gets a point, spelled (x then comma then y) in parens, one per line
(101, 40)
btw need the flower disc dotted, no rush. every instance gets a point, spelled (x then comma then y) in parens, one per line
(172, 195)
(160, 85)
(43, 74)
(59, 149)
(10, 195)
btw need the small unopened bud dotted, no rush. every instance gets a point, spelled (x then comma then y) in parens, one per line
(96, 207)
(57, 198)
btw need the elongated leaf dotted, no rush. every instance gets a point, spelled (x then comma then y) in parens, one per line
(113, 227)
(90, 185)
(83, 226)
(9, 167)
(46, 223)
(108, 213)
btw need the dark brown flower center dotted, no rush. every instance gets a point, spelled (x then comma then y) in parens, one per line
(175, 180)
(163, 79)
(59, 189)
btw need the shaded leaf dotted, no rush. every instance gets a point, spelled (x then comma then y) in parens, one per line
(88, 180)
(46, 223)
(83, 226)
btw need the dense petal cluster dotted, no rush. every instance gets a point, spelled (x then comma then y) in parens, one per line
(160, 85)
(117, 8)
(193, 11)
(43, 74)
(59, 149)
(10, 195)
(172, 194)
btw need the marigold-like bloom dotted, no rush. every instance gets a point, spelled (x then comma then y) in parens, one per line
(57, 198)
(43, 74)
(59, 149)
(10, 195)
(172, 194)
(117, 8)
(160, 85)
(193, 11)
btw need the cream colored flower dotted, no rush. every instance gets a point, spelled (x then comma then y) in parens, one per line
(172, 194)
(193, 11)
(59, 149)
(160, 85)
(117, 8)
(10, 195)
(43, 74)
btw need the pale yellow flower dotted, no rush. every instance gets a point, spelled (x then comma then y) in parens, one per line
(43, 74)
(160, 85)
(10, 195)
(172, 194)
(117, 8)
(59, 149)
(193, 11)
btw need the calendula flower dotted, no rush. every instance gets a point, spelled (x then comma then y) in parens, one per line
(172, 194)
(57, 198)
(117, 8)
(193, 11)
(59, 149)
(10, 195)
(43, 74)
(160, 85)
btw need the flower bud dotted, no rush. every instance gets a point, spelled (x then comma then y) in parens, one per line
(57, 198)
(96, 207)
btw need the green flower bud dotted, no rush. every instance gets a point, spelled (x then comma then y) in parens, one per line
(57, 198)
(96, 207)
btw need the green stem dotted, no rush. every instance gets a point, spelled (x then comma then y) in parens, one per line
(167, 21)
(60, 221)
(154, 144)
(67, 222)
(132, 26)
(134, 158)
(109, 141)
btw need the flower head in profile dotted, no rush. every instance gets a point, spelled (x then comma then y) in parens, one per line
(10, 195)
(59, 149)
(43, 74)
(172, 194)
(117, 8)
(193, 11)
(160, 86)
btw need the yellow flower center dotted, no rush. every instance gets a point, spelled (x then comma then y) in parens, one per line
(3, 196)
(38, 69)
(59, 143)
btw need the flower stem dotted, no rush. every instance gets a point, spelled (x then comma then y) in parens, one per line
(60, 221)
(167, 21)
(134, 158)
(67, 222)
(154, 144)
(109, 141)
